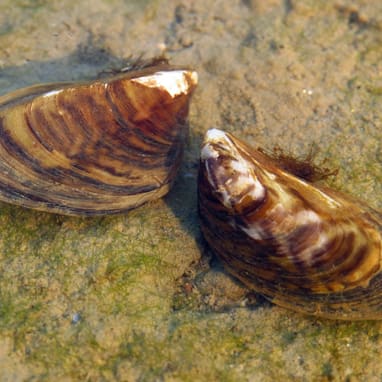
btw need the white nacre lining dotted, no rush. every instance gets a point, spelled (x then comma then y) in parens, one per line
(243, 178)
(174, 82)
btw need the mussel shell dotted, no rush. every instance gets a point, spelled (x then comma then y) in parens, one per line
(304, 247)
(97, 147)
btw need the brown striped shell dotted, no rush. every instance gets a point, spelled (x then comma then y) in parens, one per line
(93, 148)
(306, 248)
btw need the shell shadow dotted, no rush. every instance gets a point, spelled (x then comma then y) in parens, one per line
(182, 198)
(205, 274)
(87, 61)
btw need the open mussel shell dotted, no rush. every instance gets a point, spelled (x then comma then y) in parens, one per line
(303, 247)
(98, 147)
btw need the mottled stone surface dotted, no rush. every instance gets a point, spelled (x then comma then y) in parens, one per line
(138, 297)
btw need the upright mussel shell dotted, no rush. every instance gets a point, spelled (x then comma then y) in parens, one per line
(306, 248)
(98, 147)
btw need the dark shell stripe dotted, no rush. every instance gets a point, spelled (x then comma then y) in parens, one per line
(344, 254)
(152, 133)
(325, 261)
(332, 305)
(93, 127)
(296, 275)
(71, 150)
(28, 165)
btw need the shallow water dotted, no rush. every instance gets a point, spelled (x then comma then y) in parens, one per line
(137, 297)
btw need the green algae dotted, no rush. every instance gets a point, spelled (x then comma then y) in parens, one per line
(137, 297)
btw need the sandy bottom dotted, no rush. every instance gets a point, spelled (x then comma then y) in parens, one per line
(139, 297)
